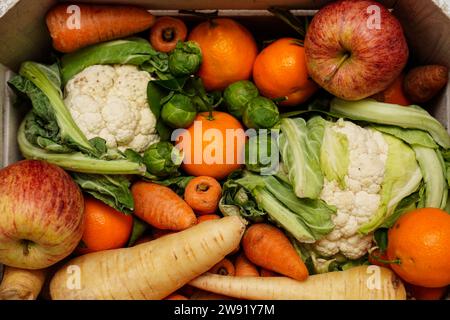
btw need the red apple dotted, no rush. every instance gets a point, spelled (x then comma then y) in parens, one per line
(41, 214)
(355, 49)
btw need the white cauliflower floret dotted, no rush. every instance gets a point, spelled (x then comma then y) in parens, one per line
(111, 102)
(360, 198)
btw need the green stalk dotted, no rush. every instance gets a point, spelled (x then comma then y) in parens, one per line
(68, 128)
(77, 161)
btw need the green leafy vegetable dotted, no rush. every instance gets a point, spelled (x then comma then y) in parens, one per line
(114, 190)
(402, 177)
(413, 137)
(261, 152)
(407, 204)
(139, 228)
(434, 176)
(135, 51)
(49, 133)
(300, 149)
(334, 156)
(283, 217)
(446, 158)
(163, 159)
(412, 117)
(254, 196)
(381, 238)
(42, 84)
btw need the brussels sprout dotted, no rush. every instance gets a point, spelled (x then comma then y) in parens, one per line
(162, 159)
(185, 59)
(179, 111)
(237, 95)
(261, 153)
(260, 113)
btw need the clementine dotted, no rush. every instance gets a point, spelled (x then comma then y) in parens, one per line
(280, 71)
(213, 145)
(419, 241)
(228, 52)
(105, 227)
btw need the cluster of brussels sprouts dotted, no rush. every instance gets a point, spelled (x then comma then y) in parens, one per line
(184, 60)
(243, 101)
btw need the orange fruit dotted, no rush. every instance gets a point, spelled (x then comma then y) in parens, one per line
(280, 71)
(105, 227)
(212, 147)
(228, 52)
(394, 93)
(419, 240)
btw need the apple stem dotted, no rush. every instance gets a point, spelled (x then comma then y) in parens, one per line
(339, 64)
(26, 246)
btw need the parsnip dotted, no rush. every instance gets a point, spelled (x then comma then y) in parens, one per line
(21, 284)
(359, 283)
(151, 270)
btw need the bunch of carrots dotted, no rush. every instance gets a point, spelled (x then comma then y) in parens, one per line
(266, 251)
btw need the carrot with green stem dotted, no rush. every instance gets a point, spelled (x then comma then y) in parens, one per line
(166, 32)
(203, 194)
(244, 268)
(358, 283)
(161, 207)
(269, 248)
(151, 270)
(73, 27)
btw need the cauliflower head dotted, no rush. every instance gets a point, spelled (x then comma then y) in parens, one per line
(359, 199)
(110, 102)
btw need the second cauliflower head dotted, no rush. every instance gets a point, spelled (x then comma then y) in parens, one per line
(110, 102)
(359, 198)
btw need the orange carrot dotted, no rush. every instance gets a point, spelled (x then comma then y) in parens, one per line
(207, 217)
(423, 83)
(244, 268)
(394, 93)
(76, 26)
(268, 273)
(176, 296)
(203, 194)
(224, 267)
(269, 248)
(166, 32)
(161, 207)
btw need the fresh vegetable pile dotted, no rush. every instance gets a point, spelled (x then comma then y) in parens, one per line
(196, 163)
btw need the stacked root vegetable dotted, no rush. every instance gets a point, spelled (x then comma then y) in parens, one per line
(119, 200)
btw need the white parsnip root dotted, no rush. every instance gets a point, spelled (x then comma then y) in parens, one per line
(151, 270)
(21, 284)
(359, 283)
